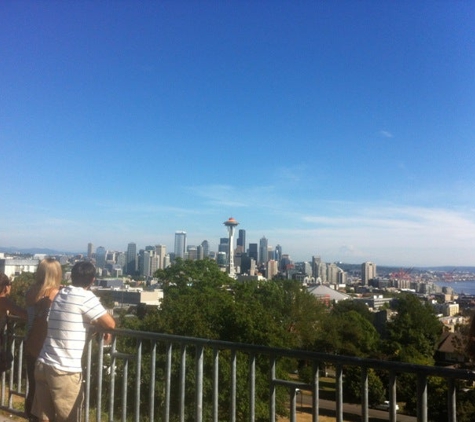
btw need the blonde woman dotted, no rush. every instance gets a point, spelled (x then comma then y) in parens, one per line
(38, 301)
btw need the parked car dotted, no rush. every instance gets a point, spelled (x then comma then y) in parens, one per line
(386, 406)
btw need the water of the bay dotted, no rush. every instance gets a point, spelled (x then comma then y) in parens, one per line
(466, 287)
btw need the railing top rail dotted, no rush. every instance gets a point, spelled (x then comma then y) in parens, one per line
(397, 367)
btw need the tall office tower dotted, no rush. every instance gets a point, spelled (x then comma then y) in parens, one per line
(368, 272)
(90, 248)
(272, 269)
(342, 277)
(223, 245)
(161, 252)
(270, 253)
(180, 245)
(145, 260)
(101, 257)
(199, 252)
(221, 259)
(154, 264)
(263, 246)
(278, 253)
(205, 246)
(192, 252)
(121, 259)
(252, 251)
(131, 263)
(307, 268)
(316, 261)
(241, 241)
(332, 273)
(245, 264)
(231, 224)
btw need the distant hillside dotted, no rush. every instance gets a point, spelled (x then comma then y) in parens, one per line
(33, 251)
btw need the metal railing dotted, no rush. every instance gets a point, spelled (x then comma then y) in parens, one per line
(145, 376)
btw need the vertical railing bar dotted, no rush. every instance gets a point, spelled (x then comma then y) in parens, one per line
(124, 390)
(339, 393)
(87, 392)
(138, 375)
(199, 384)
(272, 388)
(153, 369)
(12, 374)
(364, 394)
(315, 391)
(392, 397)
(20, 366)
(293, 405)
(112, 380)
(215, 384)
(452, 401)
(421, 398)
(233, 386)
(252, 388)
(100, 362)
(168, 381)
(182, 381)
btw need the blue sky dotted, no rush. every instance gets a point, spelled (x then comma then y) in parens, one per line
(344, 129)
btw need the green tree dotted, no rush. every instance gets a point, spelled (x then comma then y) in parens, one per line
(20, 285)
(413, 333)
(352, 386)
(348, 334)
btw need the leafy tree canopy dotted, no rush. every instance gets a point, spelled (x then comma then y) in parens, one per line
(415, 328)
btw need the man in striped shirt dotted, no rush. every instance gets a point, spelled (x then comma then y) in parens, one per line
(58, 371)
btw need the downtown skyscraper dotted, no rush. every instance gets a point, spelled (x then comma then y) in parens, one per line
(131, 260)
(180, 244)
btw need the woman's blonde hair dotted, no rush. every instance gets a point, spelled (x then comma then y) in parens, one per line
(48, 276)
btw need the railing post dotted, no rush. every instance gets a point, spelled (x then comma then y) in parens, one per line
(315, 392)
(182, 381)
(421, 398)
(215, 384)
(364, 394)
(124, 390)
(138, 372)
(100, 362)
(168, 382)
(339, 393)
(392, 396)
(199, 384)
(153, 370)
(293, 405)
(87, 387)
(272, 389)
(112, 379)
(252, 388)
(452, 400)
(232, 416)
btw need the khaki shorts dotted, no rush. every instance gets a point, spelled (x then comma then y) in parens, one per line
(58, 394)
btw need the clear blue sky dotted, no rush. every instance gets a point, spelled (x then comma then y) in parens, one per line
(344, 129)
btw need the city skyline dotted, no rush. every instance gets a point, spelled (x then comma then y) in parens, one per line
(343, 129)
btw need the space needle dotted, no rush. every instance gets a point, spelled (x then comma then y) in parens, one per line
(231, 224)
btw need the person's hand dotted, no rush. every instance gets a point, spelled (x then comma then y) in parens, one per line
(107, 338)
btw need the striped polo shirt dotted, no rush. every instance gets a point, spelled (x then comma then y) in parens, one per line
(71, 312)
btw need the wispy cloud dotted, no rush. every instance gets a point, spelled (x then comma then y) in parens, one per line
(385, 134)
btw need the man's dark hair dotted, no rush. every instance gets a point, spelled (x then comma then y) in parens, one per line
(82, 274)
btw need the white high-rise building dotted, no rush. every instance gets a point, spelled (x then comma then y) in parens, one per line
(368, 272)
(161, 252)
(180, 244)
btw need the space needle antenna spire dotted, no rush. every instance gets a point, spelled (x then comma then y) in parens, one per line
(231, 225)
